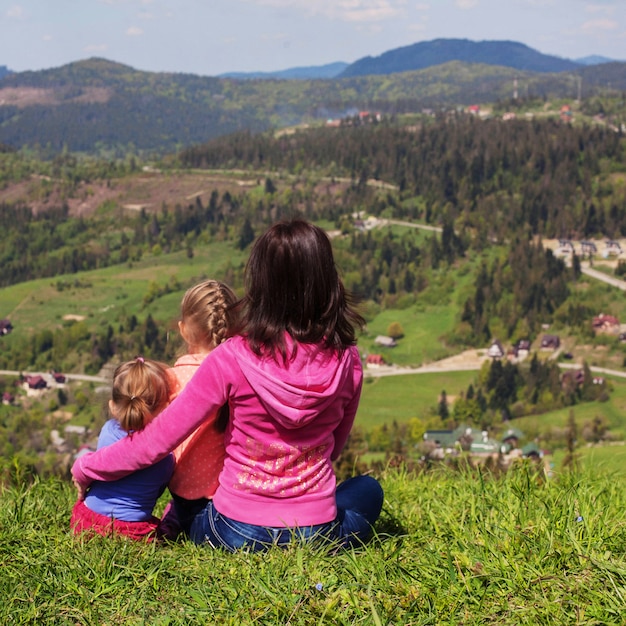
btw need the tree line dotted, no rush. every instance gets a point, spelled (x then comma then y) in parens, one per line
(492, 177)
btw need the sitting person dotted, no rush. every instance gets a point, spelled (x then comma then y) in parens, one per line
(206, 317)
(292, 376)
(141, 389)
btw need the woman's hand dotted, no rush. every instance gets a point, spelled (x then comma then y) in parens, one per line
(82, 490)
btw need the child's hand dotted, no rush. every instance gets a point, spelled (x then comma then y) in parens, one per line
(82, 490)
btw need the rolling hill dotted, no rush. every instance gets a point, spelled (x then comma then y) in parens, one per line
(100, 107)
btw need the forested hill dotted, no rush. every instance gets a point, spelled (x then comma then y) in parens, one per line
(97, 106)
(428, 53)
(492, 177)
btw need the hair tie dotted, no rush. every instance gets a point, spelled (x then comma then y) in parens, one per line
(140, 359)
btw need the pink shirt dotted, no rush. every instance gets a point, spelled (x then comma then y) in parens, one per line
(199, 459)
(288, 422)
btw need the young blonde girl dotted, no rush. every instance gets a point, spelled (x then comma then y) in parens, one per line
(206, 317)
(142, 388)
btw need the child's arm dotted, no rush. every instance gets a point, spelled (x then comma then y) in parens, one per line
(202, 396)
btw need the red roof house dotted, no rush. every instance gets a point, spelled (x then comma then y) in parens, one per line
(374, 360)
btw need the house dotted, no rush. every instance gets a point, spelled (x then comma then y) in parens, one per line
(566, 113)
(5, 327)
(7, 398)
(612, 247)
(512, 437)
(495, 350)
(387, 342)
(550, 342)
(75, 430)
(588, 247)
(566, 246)
(532, 451)
(474, 109)
(374, 360)
(58, 378)
(521, 348)
(572, 379)
(35, 382)
(463, 437)
(605, 324)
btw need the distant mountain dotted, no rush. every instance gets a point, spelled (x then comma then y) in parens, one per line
(295, 73)
(97, 106)
(594, 59)
(428, 53)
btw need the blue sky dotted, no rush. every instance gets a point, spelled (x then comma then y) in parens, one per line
(211, 37)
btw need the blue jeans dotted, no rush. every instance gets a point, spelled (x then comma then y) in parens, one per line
(359, 502)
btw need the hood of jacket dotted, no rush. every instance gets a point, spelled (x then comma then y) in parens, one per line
(294, 392)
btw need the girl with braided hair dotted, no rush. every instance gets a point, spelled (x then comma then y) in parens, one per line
(142, 388)
(206, 318)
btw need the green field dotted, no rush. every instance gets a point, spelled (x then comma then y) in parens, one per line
(400, 398)
(99, 295)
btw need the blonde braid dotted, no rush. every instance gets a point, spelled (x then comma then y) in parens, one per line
(207, 312)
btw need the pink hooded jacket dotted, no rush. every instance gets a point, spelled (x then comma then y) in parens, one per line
(288, 422)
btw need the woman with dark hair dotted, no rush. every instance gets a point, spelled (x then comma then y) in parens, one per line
(292, 377)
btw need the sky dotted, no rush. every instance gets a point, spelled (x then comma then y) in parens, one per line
(213, 37)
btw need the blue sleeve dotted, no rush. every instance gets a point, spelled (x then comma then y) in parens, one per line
(110, 433)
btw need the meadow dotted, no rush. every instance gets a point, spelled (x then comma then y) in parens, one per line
(97, 294)
(450, 548)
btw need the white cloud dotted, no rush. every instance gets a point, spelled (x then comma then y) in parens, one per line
(422, 6)
(600, 8)
(16, 12)
(47, 38)
(134, 31)
(597, 26)
(466, 4)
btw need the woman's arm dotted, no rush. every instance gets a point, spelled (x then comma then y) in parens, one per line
(202, 396)
(345, 426)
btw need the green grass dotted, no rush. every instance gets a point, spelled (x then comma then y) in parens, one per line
(100, 294)
(613, 411)
(400, 398)
(602, 458)
(422, 327)
(451, 548)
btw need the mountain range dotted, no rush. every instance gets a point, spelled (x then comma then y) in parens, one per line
(98, 106)
(428, 53)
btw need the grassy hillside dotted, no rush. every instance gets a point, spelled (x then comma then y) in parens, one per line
(450, 549)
